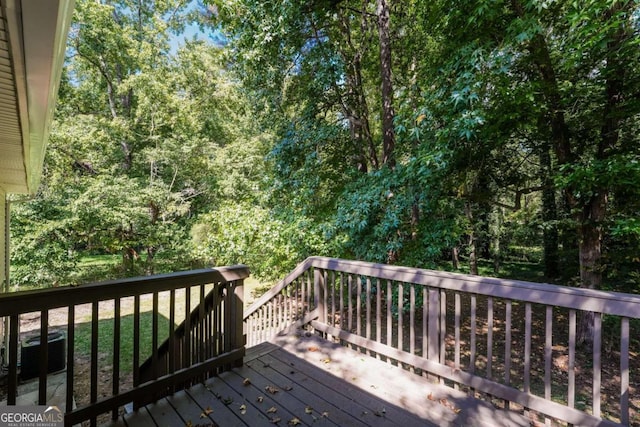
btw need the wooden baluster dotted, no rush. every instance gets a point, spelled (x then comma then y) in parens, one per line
(425, 317)
(489, 337)
(350, 302)
(507, 347)
(433, 351)
(172, 331)
(154, 336)
(368, 313)
(94, 356)
(412, 321)
(571, 394)
(624, 371)
(186, 361)
(472, 356)
(333, 299)
(200, 324)
(400, 311)
(325, 286)
(359, 305)
(310, 290)
(378, 312)
(303, 309)
(456, 361)
(527, 347)
(115, 372)
(548, 343)
(43, 364)
(597, 359)
(389, 297)
(342, 301)
(71, 330)
(443, 328)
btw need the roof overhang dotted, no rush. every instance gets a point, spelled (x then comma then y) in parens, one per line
(33, 36)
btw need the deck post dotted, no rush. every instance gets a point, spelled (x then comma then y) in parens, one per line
(238, 337)
(433, 343)
(319, 290)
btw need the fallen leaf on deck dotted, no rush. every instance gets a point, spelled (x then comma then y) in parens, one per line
(272, 410)
(380, 413)
(275, 420)
(327, 360)
(243, 409)
(294, 422)
(457, 410)
(188, 424)
(206, 412)
(246, 381)
(308, 410)
(313, 348)
(260, 399)
(271, 389)
(325, 414)
(430, 397)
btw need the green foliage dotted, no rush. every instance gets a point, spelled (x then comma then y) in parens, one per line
(245, 234)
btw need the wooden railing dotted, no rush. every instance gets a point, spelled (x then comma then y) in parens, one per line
(199, 337)
(147, 305)
(513, 343)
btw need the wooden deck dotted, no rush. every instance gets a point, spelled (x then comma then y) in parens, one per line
(311, 381)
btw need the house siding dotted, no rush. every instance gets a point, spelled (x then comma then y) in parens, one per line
(4, 230)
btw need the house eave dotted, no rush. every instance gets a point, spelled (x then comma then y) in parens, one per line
(36, 33)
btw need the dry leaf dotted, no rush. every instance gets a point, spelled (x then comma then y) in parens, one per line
(246, 381)
(457, 410)
(313, 348)
(327, 360)
(308, 410)
(243, 409)
(272, 410)
(271, 389)
(275, 420)
(294, 422)
(260, 399)
(430, 397)
(325, 414)
(188, 424)
(206, 412)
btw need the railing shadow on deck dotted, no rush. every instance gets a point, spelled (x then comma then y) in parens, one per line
(511, 343)
(203, 331)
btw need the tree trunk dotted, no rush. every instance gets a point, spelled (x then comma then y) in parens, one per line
(454, 258)
(473, 241)
(355, 105)
(549, 217)
(388, 133)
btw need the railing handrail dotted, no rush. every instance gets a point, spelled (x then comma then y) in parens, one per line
(15, 303)
(275, 290)
(605, 302)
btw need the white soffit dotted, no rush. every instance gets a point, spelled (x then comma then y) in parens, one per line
(33, 37)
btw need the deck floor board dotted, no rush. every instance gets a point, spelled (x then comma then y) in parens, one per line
(319, 383)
